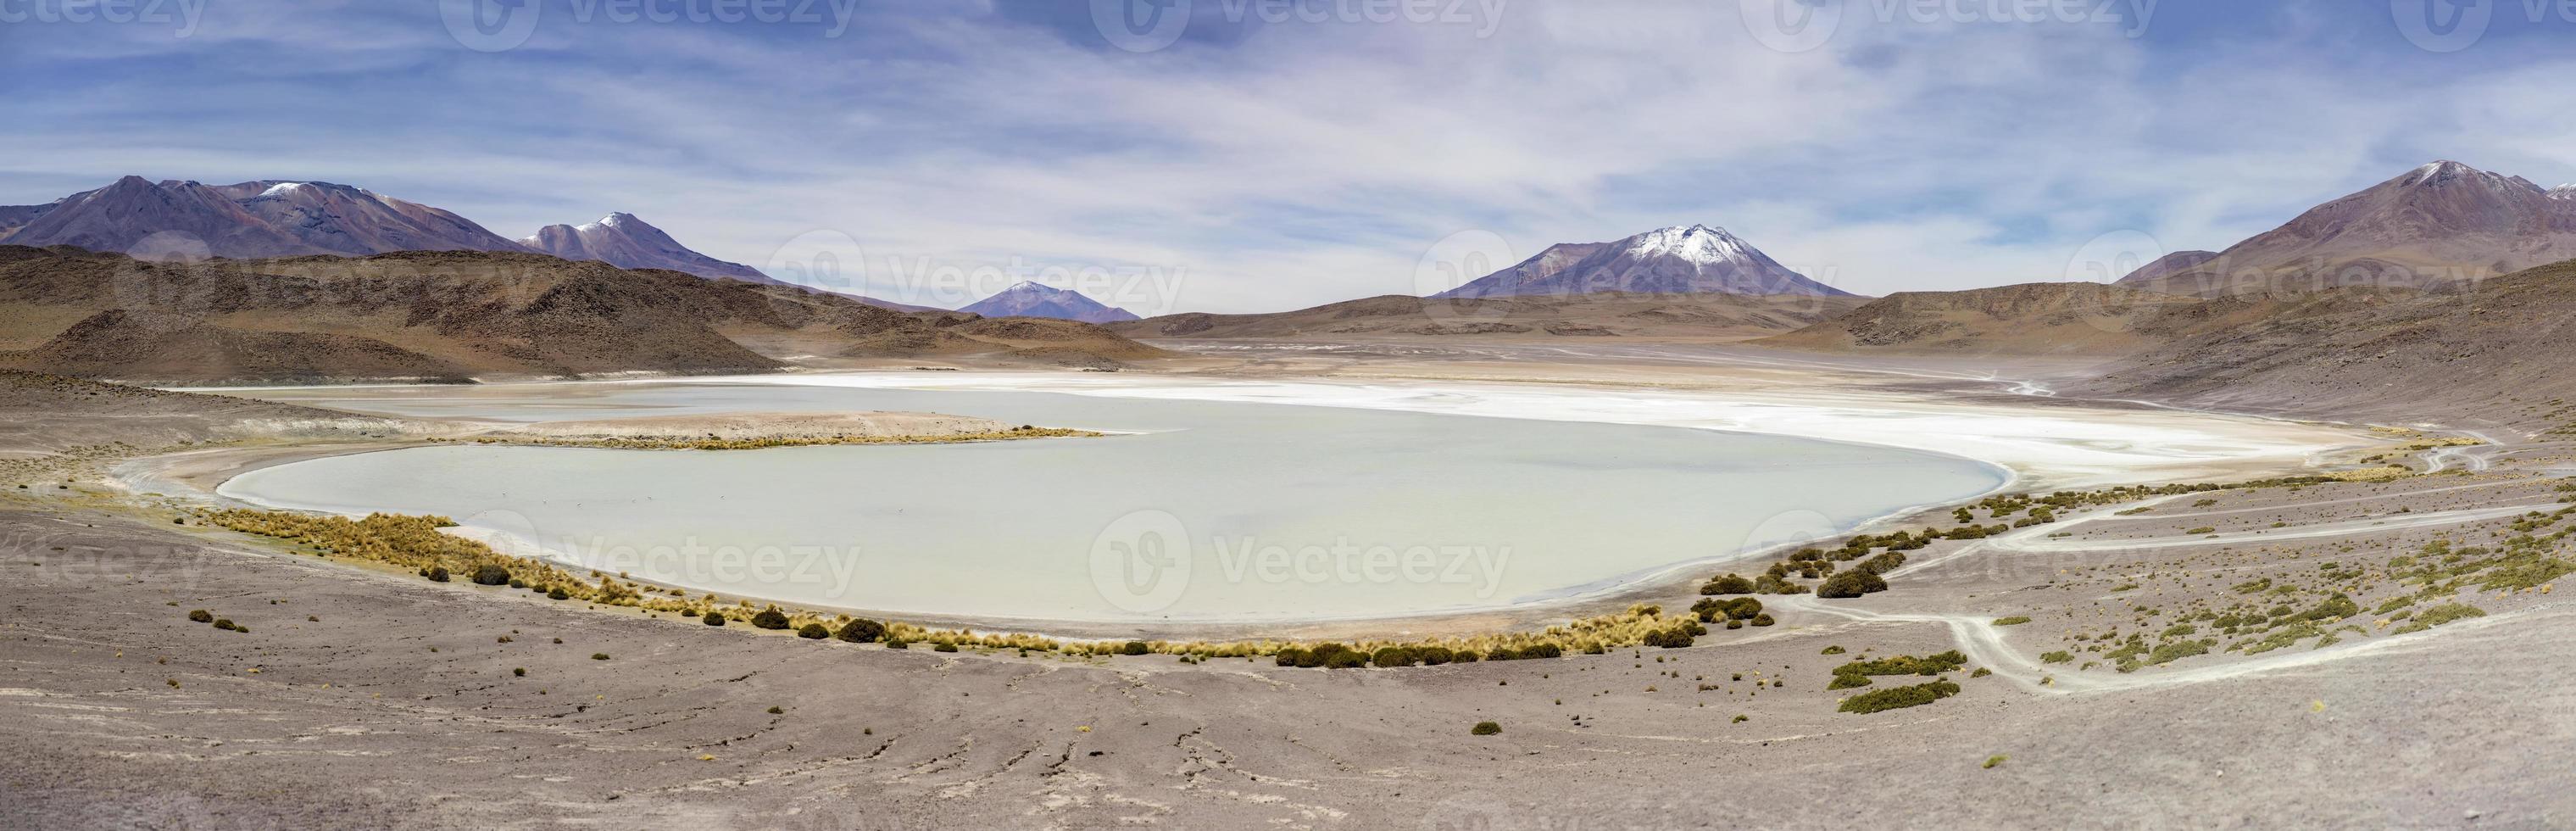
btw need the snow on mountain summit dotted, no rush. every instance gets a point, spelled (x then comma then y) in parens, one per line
(1680, 259)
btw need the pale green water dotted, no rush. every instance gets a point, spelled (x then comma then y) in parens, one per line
(1218, 511)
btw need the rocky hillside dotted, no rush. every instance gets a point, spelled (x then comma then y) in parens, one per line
(453, 315)
(2031, 319)
(2498, 350)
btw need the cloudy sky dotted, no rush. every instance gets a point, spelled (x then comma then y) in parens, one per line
(1253, 155)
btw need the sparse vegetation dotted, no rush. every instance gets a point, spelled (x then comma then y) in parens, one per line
(1894, 698)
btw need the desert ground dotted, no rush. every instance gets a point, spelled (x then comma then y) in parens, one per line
(2376, 650)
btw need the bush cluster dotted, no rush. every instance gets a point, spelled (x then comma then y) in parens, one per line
(1894, 698)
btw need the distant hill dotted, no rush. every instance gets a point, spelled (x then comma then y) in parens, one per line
(1677, 260)
(624, 241)
(2031, 319)
(2439, 224)
(456, 315)
(1028, 299)
(1605, 314)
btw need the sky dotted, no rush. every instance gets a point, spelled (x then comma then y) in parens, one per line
(1263, 155)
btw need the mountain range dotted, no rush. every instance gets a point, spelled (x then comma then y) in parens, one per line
(455, 315)
(2440, 224)
(271, 218)
(1689, 259)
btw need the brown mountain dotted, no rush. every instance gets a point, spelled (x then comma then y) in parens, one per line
(1605, 314)
(249, 220)
(451, 315)
(2496, 349)
(2439, 224)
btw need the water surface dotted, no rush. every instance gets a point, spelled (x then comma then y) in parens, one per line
(1207, 511)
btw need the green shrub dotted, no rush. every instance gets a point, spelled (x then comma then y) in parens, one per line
(1857, 673)
(1485, 728)
(1832, 650)
(1394, 656)
(945, 647)
(557, 593)
(2194, 532)
(1669, 638)
(491, 575)
(1981, 673)
(713, 618)
(1853, 583)
(599, 656)
(1761, 620)
(2177, 650)
(860, 630)
(2435, 616)
(1992, 761)
(201, 616)
(521, 672)
(813, 632)
(2015, 620)
(437, 574)
(1728, 584)
(1895, 698)
(1135, 648)
(2056, 658)
(770, 618)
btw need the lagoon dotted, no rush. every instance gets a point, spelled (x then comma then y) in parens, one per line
(1197, 511)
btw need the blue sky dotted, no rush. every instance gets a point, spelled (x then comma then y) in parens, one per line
(1257, 156)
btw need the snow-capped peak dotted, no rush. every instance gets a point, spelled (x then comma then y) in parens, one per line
(1694, 243)
(281, 189)
(1030, 287)
(2566, 191)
